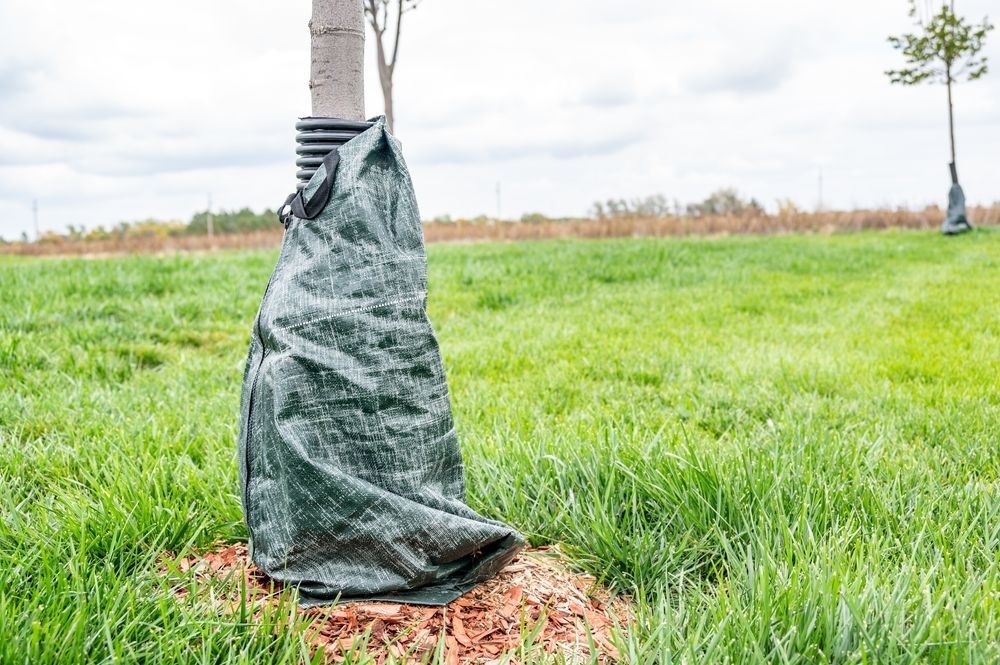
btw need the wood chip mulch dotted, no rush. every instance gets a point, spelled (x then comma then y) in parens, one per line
(535, 606)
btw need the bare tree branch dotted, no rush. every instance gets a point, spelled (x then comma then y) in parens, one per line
(399, 30)
(379, 17)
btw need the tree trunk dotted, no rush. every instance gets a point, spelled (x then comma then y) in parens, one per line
(336, 79)
(951, 124)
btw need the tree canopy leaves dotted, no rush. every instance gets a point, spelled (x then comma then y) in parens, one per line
(946, 48)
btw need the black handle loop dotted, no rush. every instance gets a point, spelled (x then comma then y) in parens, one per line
(296, 204)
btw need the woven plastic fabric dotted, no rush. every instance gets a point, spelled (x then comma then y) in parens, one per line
(352, 477)
(955, 220)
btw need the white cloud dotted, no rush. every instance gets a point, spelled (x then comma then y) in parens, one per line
(118, 110)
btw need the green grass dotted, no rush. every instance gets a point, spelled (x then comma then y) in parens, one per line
(786, 448)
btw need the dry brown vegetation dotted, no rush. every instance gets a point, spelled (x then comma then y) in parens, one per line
(147, 245)
(477, 231)
(822, 222)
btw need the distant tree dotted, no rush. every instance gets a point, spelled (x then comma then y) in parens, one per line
(946, 49)
(380, 14)
(725, 202)
(788, 208)
(652, 206)
(721, 202)
(655, 205)
(610, 209)
(231, 221)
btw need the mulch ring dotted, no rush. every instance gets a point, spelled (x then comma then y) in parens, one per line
(536, 605)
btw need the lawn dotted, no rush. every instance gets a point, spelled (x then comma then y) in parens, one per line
(786, 448)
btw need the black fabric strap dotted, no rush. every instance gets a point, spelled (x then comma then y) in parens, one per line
(314, 206)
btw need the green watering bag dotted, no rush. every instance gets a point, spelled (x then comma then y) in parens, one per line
(955, 220)
(351, 473)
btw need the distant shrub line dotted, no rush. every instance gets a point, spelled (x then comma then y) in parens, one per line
(723, 212)
(224, 222)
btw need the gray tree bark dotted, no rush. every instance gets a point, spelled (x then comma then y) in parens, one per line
(336, 77)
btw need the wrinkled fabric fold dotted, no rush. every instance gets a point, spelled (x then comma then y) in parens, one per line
(350, 469)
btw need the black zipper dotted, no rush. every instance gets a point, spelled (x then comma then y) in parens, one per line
(253, 388)
(246, 446)
(286, 217)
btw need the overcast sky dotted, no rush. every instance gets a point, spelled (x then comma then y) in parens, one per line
(116, 110)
